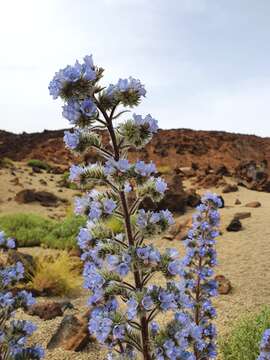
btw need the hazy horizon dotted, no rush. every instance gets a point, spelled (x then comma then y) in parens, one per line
(205, 63)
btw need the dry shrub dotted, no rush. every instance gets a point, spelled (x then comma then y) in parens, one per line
(58, 276)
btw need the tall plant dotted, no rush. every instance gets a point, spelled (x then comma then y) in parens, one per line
(121, 266)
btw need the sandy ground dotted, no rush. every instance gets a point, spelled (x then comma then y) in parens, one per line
(13, 181)
(244, 256)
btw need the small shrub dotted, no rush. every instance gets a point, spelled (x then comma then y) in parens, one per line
(164, 169)
(34, 230)
(6, 162)
(243, 341)
(38, 164)
(57, 277)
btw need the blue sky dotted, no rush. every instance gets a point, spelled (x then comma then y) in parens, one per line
(205, 63)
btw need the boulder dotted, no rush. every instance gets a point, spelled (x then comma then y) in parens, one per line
(71, 334)
(210, 180)
(235, 225)
(224, 285)
(222, 170)
(175, 198)
(179, 230)
(45, 198)
(242, 215)
(237, 202)
(229, 188)
(46, 310)
(253, 204)
(253, 175)
(192, 198)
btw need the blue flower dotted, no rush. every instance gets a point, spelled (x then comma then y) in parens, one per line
(154, 327)
(147, 302)
(148, 122)
(167, 216)
(75, 172)
(71, 111)
(265, 346)
(132, 307)
(11, 243)
(84, 237)
(119, 332)
(88, 107)
(72, 139)
(161, 185)
(175, 267)
(109, 206)
(72, 74)
(145, 169)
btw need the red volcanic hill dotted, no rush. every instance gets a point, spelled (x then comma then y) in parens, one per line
(174, 148)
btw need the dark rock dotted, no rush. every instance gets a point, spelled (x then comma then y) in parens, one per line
(46, 311)
(57, 170)
(253, 175)
(36, 169)
(222, 170)
(253, 204)
(45, 198)
(229, 188)
(72, 334)
(193, 199)
(237, 202)
(242, 215)
(175, 198)
(224, 285)
(235, 225)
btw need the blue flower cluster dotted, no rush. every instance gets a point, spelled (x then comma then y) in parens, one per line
(126, 86)
(265, 346)
(118, 262)
(14, 333)
(72, 75)
(94, 204)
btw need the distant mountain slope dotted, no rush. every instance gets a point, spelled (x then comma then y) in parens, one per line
(174, 148)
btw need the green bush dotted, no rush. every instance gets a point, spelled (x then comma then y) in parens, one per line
(34, 230)
(39, 164)
(63, 235)
(243, 341)
(27, 229)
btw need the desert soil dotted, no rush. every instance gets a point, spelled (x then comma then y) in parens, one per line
(244, 256)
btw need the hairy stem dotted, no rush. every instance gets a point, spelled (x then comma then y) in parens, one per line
(131, 241)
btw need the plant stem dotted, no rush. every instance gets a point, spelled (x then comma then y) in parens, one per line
(131, 242)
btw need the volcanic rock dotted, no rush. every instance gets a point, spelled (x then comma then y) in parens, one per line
(242, 215)
(224, 284)
(235, 225)
(46, 310)
(229, 188)
(253, 204)
(44, 197)
(72, 333)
